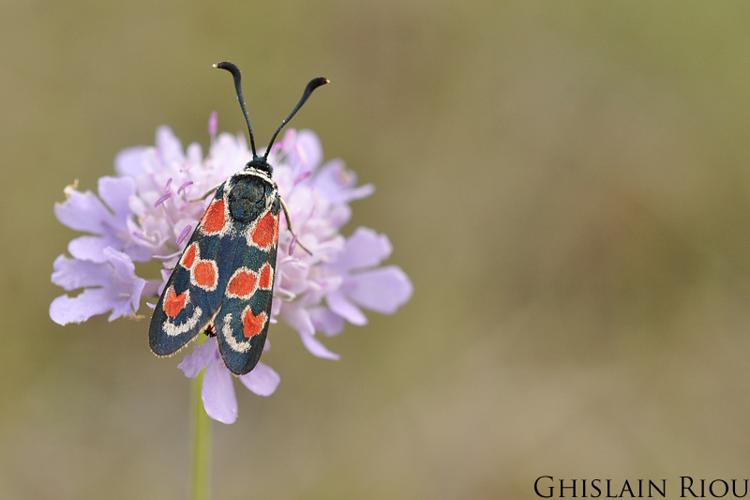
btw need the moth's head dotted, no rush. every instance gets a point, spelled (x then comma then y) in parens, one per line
(260, 163)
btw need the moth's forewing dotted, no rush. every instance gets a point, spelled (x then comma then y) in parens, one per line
(242, 322)
(195, 289)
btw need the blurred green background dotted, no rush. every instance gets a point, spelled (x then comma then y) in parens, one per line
(566, 183)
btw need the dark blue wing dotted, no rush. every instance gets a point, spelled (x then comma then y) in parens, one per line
(195, 290)
(242, 322)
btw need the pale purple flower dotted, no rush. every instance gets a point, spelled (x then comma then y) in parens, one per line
(148, 211)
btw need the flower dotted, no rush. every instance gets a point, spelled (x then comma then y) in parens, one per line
(147, 212)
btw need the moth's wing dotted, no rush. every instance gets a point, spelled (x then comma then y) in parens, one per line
(242, 322)
(195, 290)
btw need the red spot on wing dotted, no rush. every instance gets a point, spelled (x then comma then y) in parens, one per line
(242, 284)
(266, 276)
(214, 220)
(205, 275)
(188, 258)
(173, 304)
(265, 233)
(252, 325)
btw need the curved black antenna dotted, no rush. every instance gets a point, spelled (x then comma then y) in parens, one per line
(237, 76)
(314, 84)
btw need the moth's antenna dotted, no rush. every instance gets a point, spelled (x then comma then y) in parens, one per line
(237, 76)
(314, 84)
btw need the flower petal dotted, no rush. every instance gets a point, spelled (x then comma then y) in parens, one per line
(116, 193)
(339, 215)
(299, 319)
(168, 146)
(306, 153)
(326, 321)
(339, 304)
(262, 380)
(90, 248)
(131, 162)
(202, 355)
(82, 211)
(218, 395)
(152, 288)
(358, 193)
(364, 248)
(316, 348)
(71, 274)
(194, 153)
(336, 183)
(383, 290)
(127, 300)
(92, 301)
(119, 289)
(213, 123)
(123, 269)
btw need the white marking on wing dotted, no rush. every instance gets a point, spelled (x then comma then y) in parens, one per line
(226, 330)
(174, 330)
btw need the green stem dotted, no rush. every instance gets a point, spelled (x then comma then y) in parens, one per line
(201, 443)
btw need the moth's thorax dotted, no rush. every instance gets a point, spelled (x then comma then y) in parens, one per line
(249, 196)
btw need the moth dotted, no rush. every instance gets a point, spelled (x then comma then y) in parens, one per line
(222, 283)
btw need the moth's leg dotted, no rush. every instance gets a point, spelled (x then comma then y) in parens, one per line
(206, 194)
(289, 225)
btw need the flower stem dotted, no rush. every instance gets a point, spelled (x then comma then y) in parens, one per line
(201, 443)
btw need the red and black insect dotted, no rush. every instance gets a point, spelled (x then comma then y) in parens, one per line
(223, 282)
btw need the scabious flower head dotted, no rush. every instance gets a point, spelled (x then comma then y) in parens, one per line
(148, 210)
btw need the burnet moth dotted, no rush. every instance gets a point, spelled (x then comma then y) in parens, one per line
(223, 282)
